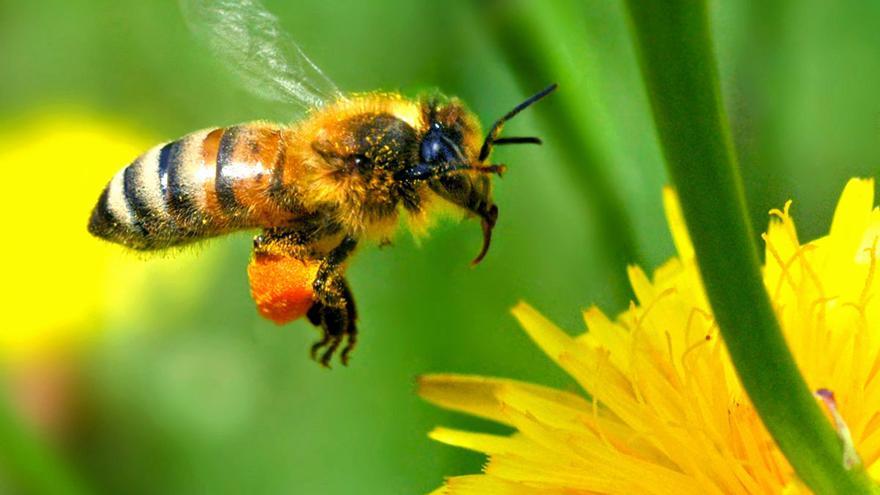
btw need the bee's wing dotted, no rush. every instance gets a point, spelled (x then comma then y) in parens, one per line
(247, 37)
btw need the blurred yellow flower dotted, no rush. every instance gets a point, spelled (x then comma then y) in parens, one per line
(57, 279)
(54, 167)
(667, 413)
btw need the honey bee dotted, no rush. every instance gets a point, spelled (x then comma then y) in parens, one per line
(316, 188)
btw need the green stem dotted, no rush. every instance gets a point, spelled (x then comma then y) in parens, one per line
(530, 36)
(30, 464)
(678, 65)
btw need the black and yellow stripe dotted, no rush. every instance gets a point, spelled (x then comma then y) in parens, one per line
(192, 188)
(226, 174)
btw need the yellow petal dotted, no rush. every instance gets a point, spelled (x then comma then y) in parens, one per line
(677, 226)
(480, 442)
(851, 217)
(574, 413)
(605, 333)
(489, 485)
(642, 287)
(478, 395)
(550, 338)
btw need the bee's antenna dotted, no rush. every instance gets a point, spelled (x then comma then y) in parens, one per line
(492, 137)
(516, 140)
(463, 163)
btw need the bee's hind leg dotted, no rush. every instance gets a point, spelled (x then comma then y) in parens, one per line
(351, 329)
(328, 284)
(329, 320)
(338, 323)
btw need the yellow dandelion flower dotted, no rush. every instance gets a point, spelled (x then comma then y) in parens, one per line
(666, 412)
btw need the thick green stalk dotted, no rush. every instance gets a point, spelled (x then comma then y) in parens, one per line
(532, 37)
(28, 463)
(679, 69)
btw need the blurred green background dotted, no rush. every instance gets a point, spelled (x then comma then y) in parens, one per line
(189, 391)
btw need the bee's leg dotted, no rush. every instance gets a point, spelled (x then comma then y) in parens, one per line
(282, 242)
(331, 321)
(351, 328)
(327, 286)
(337, 323)
(316, 317)
(295, 240)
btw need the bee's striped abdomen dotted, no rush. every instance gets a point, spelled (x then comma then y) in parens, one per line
(205, 184)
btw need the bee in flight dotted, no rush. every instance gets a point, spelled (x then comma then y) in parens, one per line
(343, 174)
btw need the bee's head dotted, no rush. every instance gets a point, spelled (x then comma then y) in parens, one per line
(453, 133)
(453, 155)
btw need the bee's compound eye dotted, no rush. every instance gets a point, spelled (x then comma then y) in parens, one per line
(431, 148)
(434, 149)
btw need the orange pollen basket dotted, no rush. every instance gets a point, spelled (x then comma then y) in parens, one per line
(282, 286)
